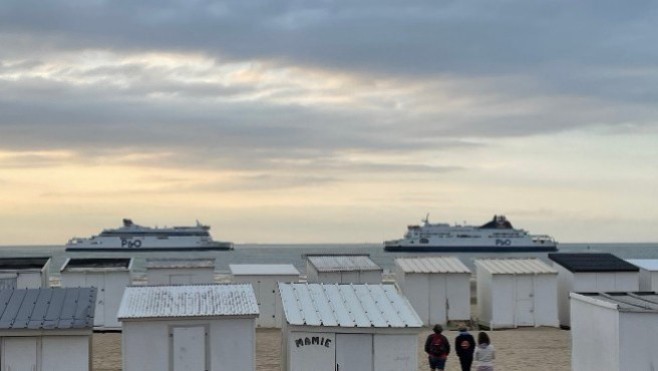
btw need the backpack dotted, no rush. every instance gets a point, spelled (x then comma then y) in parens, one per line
(438, 345)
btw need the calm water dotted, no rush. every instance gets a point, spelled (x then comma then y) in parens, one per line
(278, 254)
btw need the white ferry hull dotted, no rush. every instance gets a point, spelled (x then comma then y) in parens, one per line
(467, 248)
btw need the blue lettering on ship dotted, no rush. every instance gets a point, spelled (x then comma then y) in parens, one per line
(130, 244)
(505, 242)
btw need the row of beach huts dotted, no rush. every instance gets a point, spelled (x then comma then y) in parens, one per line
(342, 315)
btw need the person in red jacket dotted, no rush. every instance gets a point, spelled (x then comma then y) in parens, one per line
(437, 348)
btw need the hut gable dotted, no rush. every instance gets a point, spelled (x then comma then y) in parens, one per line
(515, 266)
(592, 262)
(47, 308)
(334, 305)
(188, 301)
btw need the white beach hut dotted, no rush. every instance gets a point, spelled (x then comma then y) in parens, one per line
(516, 292)
(648, 274)
(110, 276)
(334, 268)
(180, 271)
(438, 288)
(188, 328)
(591, 272)
(46, 329)
(331, 327)
(614, 331)
(24, 272)
(265, 278)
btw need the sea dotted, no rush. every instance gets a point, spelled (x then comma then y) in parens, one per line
(294, 254)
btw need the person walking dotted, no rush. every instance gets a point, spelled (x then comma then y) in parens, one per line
(437, 348)
(464, 346)
(484, 353)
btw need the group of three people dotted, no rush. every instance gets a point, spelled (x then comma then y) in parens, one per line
(437, 348)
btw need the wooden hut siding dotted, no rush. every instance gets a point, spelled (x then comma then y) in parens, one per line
(189, 328)
(625, 326)
(342, 269)
(438, 288)
(516, 292)
(366, 327)
(265, 278)
(110, 276)
(591, 272)
(180, 271)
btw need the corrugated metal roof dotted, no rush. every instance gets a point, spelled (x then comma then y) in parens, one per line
(263, 270)
(515, 266)
(627, 301)
(18, 263)
(443, 264)
(341, 263)
(90, 264)
(179, 263)
(47, 308)
(592, 262)
(188, 301)
(646, 264)
(335, 305)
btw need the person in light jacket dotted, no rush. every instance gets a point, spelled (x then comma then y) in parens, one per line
(484, 353)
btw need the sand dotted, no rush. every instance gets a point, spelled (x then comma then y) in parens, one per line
(524, 349)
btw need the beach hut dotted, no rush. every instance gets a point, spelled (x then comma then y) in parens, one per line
(331, 327)
(110, 276)
(648, 274)
(180, 271)
(264, 278)
(46, 329)
(24, 272)
(439, 288)
(516, 292)
(335, 268)
(614, 331)
(188, 328)
(591, 272)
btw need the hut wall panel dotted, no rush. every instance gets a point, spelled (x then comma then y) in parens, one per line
(65, 353)
(459, 297)
(395, 352)
(638, 336)
(594, 337)
(29, 280)
(179, 276)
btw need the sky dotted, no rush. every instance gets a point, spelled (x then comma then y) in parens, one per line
(328, 121)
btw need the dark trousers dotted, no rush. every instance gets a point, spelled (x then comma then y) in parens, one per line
(466, 363)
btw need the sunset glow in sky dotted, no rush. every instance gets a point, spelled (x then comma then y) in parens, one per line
(328, 121)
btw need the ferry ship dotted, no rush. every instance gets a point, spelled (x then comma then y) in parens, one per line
(135, 237)
(498, 235)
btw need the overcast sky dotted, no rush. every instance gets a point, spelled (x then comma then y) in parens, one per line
(328, 121)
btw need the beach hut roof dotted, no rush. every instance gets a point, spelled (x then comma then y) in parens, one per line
(263, 270)
(179, 263)
(32, 262)
(342, 263)
(646, 264)
(188, 301)
(92, 264)
(445, 264)
(347, 305)
(623, 301)
(592, 262)
(515, 266)
(47, 308)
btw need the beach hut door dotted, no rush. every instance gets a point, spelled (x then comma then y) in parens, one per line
(189, 348)
(524, 302)
(19, 353)
(353, 352)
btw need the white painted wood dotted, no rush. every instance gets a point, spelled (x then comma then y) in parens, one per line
(524, 302)
(354, 352)
(65, 353)
(396, 352)
(20, 353)
(312, 351)
(189, 348)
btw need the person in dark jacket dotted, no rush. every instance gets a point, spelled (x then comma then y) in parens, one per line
(464, 346)
(437, 348)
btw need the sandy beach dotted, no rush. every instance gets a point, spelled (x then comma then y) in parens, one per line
(521, 349)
